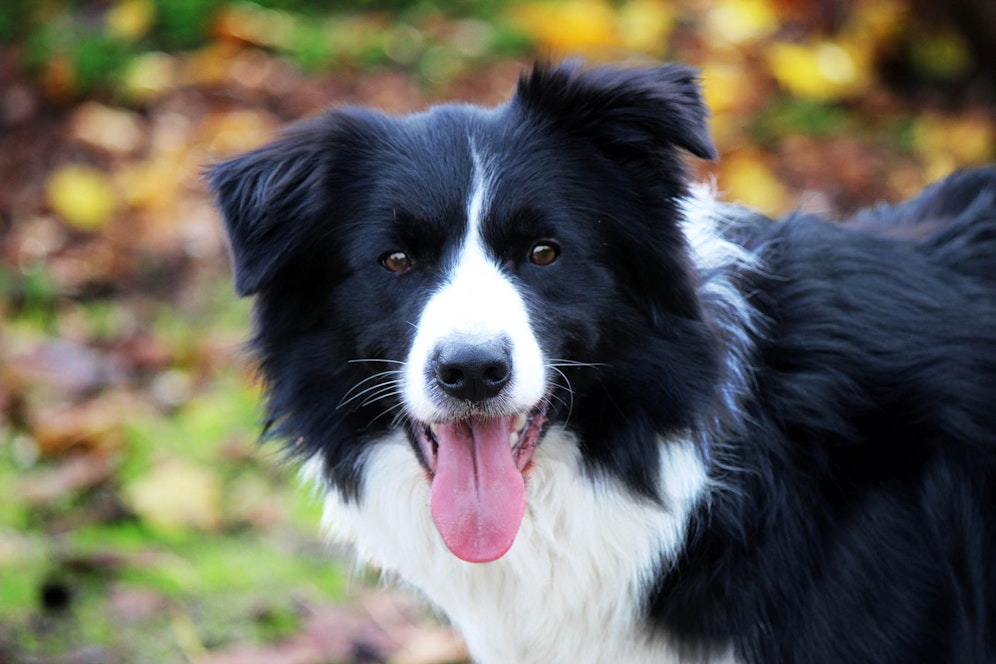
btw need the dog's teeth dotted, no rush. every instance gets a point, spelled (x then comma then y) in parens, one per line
(513, 438)
(520, 421)
(434, 428)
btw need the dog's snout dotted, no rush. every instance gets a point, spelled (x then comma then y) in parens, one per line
(473, 372)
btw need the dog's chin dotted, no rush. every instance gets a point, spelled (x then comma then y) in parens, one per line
(477, 466)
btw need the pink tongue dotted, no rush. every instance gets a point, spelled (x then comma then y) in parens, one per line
(478, 495)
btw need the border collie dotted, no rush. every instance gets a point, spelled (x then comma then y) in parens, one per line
(594, 414)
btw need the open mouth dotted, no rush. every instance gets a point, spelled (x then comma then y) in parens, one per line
(523, 432)
(477, 466)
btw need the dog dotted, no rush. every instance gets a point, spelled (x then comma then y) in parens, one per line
(594, 414)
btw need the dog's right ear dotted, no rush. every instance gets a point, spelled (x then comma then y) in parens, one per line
(626, 112)
(271, 200)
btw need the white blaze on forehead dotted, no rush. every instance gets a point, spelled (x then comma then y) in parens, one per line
(476, 303)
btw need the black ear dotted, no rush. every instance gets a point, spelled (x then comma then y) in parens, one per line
(635, 111)
(271, 200)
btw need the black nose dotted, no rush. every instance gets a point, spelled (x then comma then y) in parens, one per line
(474, 372)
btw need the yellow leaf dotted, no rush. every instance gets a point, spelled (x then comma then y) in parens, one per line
(211, 64)
(149, 76)
(82, 196)
(646, 25)
(726, 85)
(822, 70)
(256, 25)
(577, 26)
(747, 179)
(237, 131)
(130, 19)
(176, 495)
(151, 184)
(739, 21)
(946, 143)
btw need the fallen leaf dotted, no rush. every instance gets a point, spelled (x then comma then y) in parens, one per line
(431, 645)
(82, 196)
(130, 19)
(133, 605)
(725, 85)
(577, 26)
(111, 129)
(17, 548)
(254, 24)
(152, 183)
(745, 178)
(237, 131)
(69, 476)
(965, 140)
(739, 21)
(176, 495)
(645, 25)
(71, 368)
(93, 425)
(824, 69)
(210, 65)
(58, 79)
(148, 77)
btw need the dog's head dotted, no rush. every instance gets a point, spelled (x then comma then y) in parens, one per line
(473, 276)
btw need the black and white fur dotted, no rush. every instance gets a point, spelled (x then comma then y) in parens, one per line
(758, 441)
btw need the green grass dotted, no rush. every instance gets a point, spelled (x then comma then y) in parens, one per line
(244, 580)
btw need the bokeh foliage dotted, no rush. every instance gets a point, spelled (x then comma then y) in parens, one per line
(140, 520)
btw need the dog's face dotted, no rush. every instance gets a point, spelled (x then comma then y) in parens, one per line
(472, 276)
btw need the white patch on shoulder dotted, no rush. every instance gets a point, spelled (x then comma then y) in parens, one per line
(571, 587)
(706, 221)
(476, 304)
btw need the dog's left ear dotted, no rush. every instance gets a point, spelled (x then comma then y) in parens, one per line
(624, 111)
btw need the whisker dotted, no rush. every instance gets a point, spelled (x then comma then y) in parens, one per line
(388, 410)
(352, 394)
(374, 359)
(570, 392)
(375, 392)
(400, 418)
(388, 391)
(575, 363)
(561, 401)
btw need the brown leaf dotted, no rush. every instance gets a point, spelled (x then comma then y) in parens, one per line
(97, 424)
(71, 368)
(69, 476)
(132, 605)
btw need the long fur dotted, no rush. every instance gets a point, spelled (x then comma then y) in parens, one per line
(767, 441)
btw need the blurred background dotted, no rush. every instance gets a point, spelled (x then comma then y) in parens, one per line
(139, 520)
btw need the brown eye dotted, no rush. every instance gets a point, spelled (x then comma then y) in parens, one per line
(544, 253)
(396, 261)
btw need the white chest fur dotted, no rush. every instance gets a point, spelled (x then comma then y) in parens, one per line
(569, 590)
